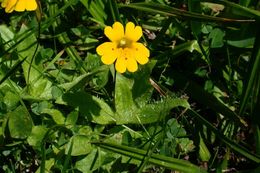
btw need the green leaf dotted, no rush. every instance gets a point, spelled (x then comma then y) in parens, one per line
(9, 97)
(245, 43)
(216, 36)
(90, 106)
(94, 160)
(80, 145)
(142, 89)
(19, 123)
(204, 153)
(26, 49)
(124, 102)
(72, 118)
(48, 165)
(56, 115)
(157, 111)
(7, 35)
(36, 136)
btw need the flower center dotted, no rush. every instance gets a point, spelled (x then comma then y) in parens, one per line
(123, 43)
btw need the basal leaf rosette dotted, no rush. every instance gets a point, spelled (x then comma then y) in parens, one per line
(123, 49)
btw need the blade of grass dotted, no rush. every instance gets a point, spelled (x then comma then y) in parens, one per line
(64, 39)
(114, 10)
(237, 9)
(199, 94)
(243, 151)
(251, 80)
(177, 13)
(160, 160)
(12, 70)
(34, 30)
(96, 9)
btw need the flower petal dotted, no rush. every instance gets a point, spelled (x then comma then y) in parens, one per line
(108, 59)
(131, 65)
(106, 48)
(108, 51)
(31, 5)
(133, 32)
(9, 5)
(121, 64)
(141, 53)
(4, 3)
(20, 5)
(115, 33)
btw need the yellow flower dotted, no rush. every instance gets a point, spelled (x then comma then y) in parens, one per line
(19, 5)
(123, 48)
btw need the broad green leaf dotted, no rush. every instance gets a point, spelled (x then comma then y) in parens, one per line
(38, 86)
(80, 145)
(56, 115)
(48, 165)
(19, 123)
(72, 118)
(175, 141)
(142, 89)
(26, 49)
(92, 107)
(150, 113)
(36, 136)
(94, 160)
(9, 97)
(80, 81)
(216, 36)
(7, 36)
(204, 153)
(124, 102)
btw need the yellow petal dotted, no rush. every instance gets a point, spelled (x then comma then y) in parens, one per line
(108, 59)
(133, 32)
(141, 53)
(115, 33)
(121, 64)
(20, 5)
(4, 3)
(131, 65)
(108, 51)
(31, 5)
(106, 48)
(9, 5)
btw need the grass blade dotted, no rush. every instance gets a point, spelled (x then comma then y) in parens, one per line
(197, 93)
(251, 80)
(243, 151)
(160, 160)
(177, 13)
